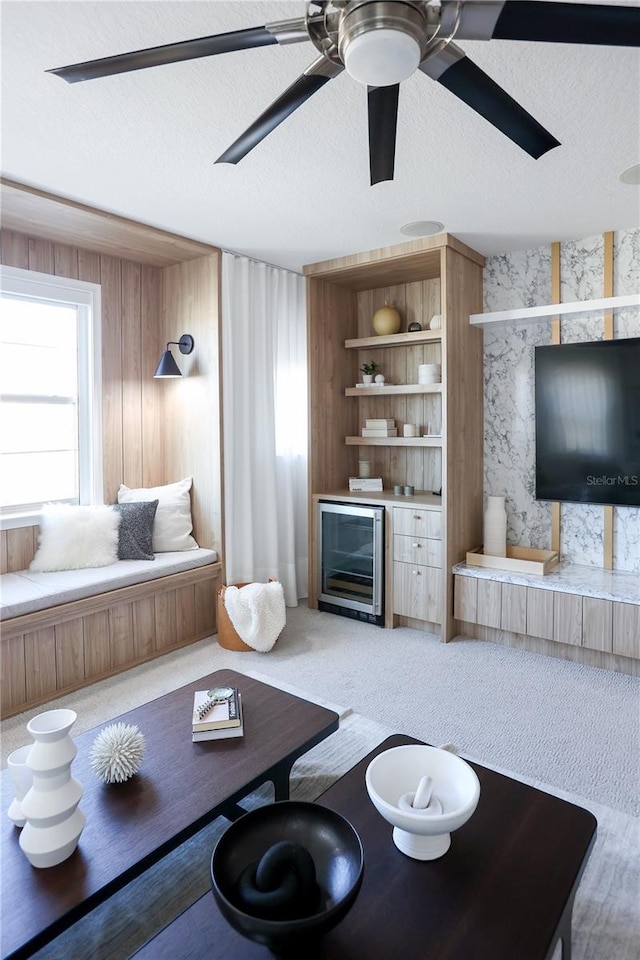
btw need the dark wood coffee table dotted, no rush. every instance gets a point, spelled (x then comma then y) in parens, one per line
(503, 891)
(181, 787)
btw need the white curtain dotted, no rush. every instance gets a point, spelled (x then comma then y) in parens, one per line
(264, 370)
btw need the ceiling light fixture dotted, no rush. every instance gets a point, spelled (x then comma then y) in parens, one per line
(382, 57)
(422, 228)
(382, 43)
(631, 175)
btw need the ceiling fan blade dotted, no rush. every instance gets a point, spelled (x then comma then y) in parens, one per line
(290, 31)
(550, 22)
(569, 23)
(383, 121)
(462, 77)
(315, 77)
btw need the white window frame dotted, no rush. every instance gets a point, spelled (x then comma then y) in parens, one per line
(86, 297)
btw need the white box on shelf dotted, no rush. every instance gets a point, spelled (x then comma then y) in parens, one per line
(368, 485)
(383, 432)
(379, 424)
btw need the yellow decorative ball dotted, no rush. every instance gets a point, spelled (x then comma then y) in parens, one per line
(386, 320)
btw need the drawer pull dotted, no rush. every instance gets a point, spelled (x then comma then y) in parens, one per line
(418, 545)
(417, 517)
(416, 573)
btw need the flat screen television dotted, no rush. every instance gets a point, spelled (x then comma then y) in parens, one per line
(588, 422)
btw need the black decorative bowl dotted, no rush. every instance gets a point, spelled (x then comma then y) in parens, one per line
(336, 851)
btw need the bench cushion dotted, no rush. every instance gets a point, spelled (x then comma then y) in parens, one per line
(26, 591)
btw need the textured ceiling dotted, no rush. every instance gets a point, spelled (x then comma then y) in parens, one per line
(143, 144)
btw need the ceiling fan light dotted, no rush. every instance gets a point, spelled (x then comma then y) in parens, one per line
(380, 58)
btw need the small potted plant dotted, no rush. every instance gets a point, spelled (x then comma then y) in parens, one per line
(368, 370)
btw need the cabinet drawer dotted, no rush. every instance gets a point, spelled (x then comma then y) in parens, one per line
(417, 591)
(412, 522)
(513, 612)
(540, 613)
(417, 550)
(489, 609)
(465, 603)
(567, 618)
(626, 629)
(597, 624)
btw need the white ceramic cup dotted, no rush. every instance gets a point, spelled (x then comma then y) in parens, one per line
(22, 779)
(410, 430)
(364, 469)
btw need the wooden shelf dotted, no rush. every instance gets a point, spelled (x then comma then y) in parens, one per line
(550, 311)
(393, 441)
(395, 340)
(393, 388)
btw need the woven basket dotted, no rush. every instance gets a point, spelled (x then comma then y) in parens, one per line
(227, 635)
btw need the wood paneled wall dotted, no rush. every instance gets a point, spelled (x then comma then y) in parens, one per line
(132, 341)
(154, 431)
(193, 415)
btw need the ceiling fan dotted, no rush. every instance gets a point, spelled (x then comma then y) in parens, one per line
(380, 43)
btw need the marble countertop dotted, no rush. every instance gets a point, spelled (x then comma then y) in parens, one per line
(567, 578)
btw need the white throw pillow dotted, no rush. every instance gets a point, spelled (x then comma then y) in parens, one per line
(72, 538)
(172, 526)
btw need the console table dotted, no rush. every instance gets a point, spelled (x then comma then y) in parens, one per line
(573, 608)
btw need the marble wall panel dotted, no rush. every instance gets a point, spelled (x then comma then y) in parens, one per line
(523, 279)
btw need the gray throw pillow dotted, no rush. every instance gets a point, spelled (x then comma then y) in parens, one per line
(136, 530)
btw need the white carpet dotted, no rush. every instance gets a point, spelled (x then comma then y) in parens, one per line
(565, 724)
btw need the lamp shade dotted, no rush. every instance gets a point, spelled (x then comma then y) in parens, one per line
(167, 366)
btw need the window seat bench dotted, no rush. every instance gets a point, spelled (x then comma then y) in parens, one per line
(64, 630)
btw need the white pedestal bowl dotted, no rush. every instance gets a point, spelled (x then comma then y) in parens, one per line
(390, 775)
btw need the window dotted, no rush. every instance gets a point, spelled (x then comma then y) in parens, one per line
(50, 410)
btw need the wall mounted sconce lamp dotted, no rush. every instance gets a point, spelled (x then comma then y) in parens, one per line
(167, 366)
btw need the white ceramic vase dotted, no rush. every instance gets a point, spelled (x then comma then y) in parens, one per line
(53, 821)
(495, 527)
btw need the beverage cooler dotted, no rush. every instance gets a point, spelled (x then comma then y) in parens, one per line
(350, 565)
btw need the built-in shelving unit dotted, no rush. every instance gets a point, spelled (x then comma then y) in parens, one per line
(393, 441)
(551, 311)
(395, 340)
(435, 275)
(391, 389)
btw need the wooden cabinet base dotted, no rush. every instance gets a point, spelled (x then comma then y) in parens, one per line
(52, 652)
(551, 648)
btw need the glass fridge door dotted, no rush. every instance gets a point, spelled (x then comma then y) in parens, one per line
(351, 558)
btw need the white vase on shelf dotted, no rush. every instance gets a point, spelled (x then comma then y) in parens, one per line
(53, 821)
(495, 527)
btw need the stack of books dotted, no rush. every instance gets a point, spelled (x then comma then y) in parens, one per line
(379, 428)
(216, 716)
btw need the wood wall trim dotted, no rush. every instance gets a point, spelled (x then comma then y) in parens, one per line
(400, 263)
(34, 212)
(608, 335)
(556, 336)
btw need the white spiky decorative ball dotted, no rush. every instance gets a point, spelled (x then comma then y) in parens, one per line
(117, 752)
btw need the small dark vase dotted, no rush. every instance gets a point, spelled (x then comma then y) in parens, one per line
(336, 851)
(414, 327)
